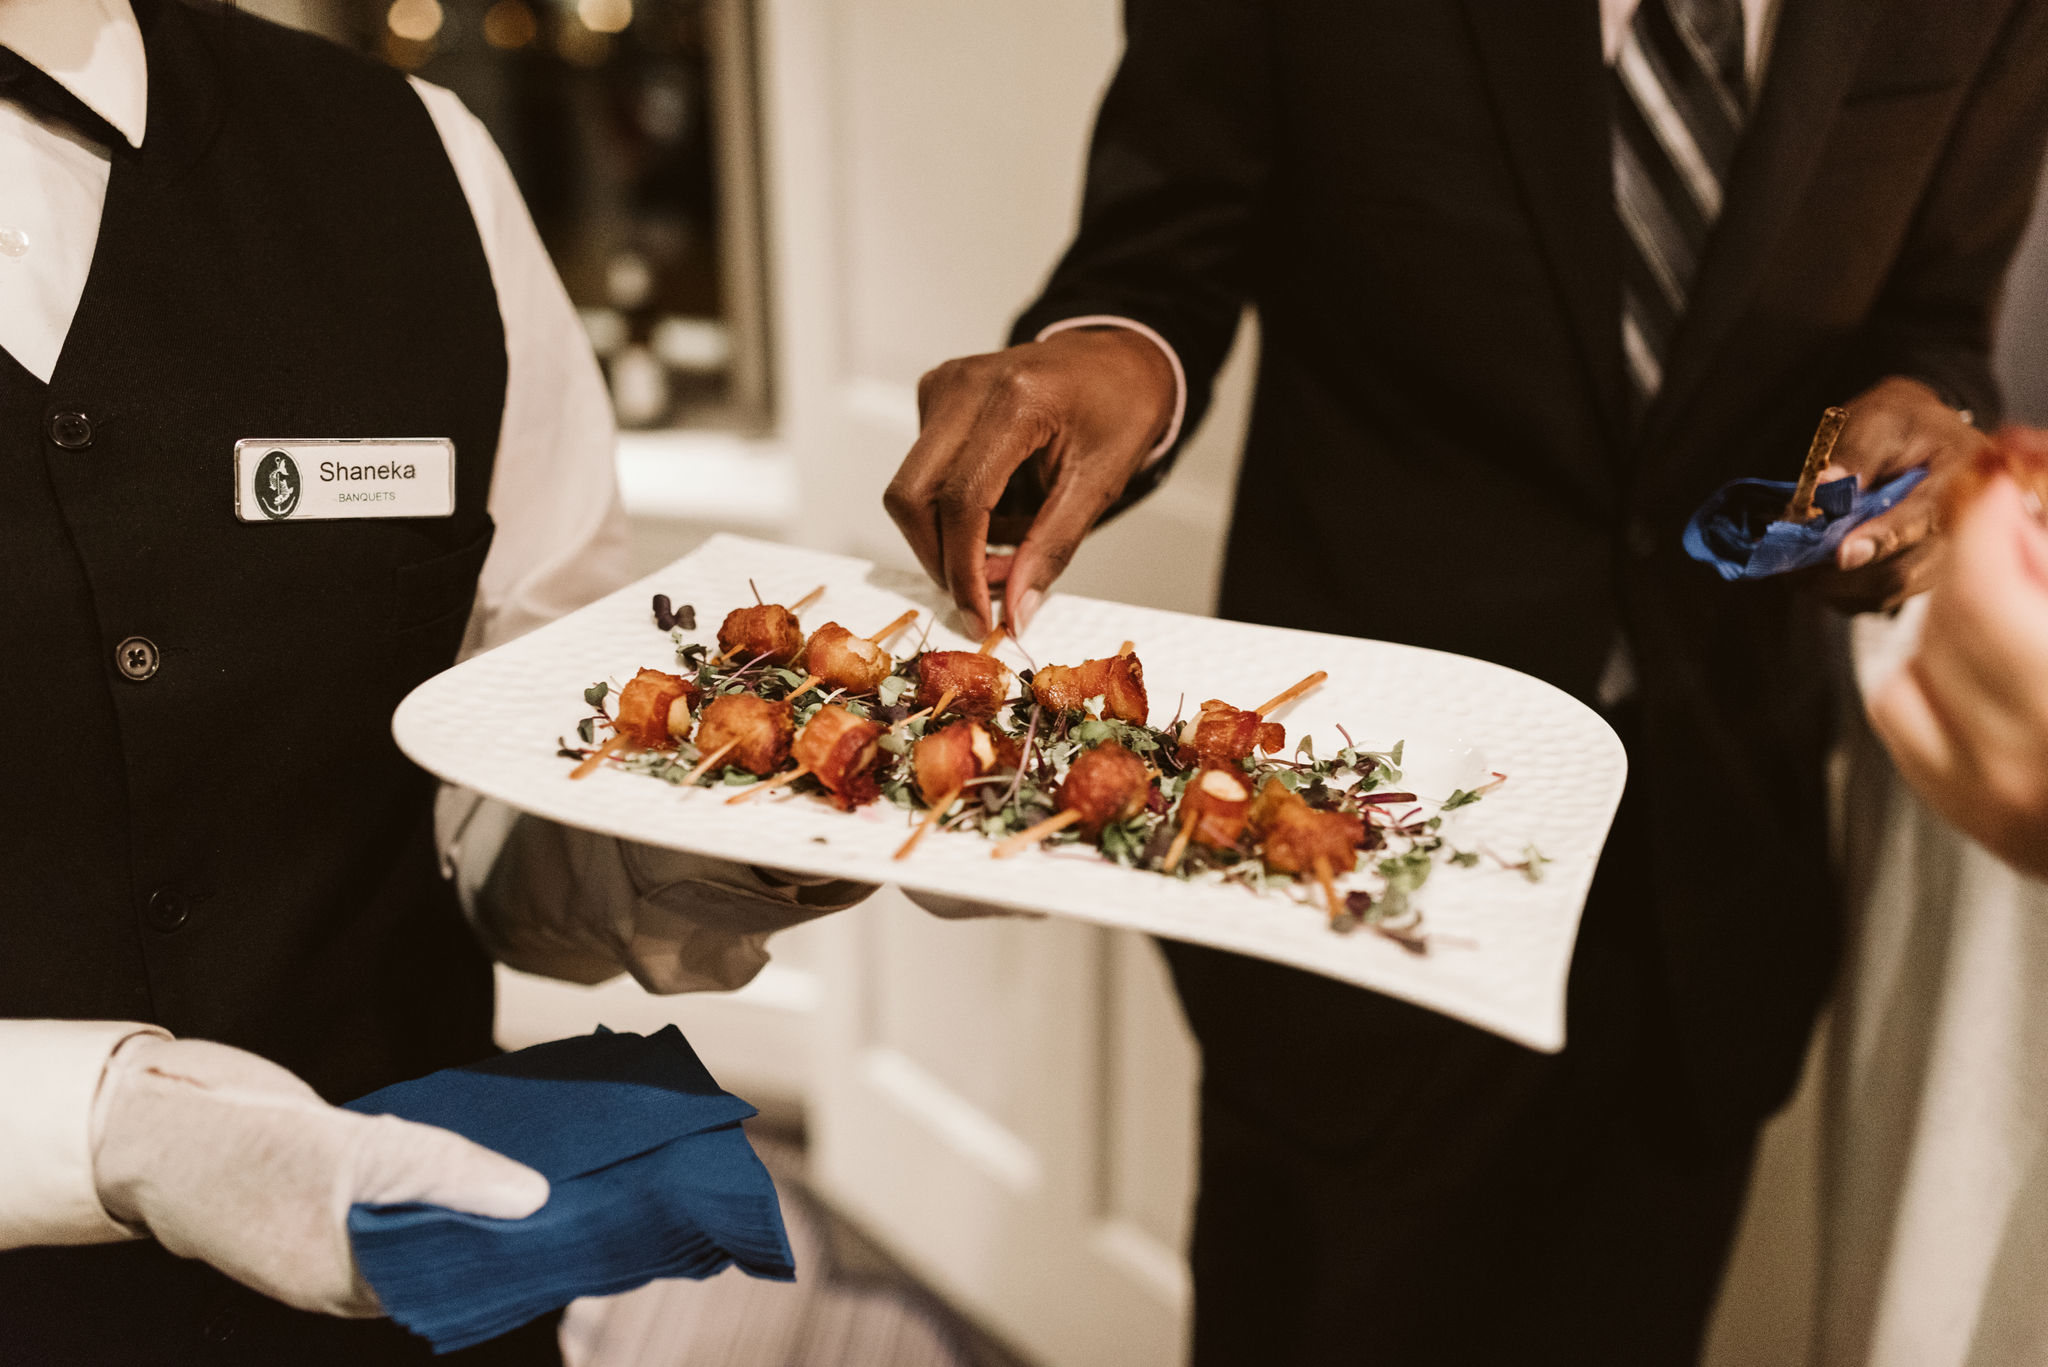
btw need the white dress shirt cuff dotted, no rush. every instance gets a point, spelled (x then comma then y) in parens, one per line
(49, 1076)
(1180, 376)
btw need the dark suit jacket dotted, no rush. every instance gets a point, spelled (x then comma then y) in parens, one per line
(1416, 194)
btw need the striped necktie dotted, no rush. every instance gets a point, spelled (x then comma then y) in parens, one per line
(1679, 98)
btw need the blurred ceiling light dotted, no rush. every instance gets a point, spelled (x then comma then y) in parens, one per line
(510, 24)
(416, 21)
(605, 16)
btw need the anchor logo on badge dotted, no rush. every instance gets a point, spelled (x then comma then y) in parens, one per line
(277, 485)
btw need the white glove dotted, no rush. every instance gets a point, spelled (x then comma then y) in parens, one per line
(226, 1157)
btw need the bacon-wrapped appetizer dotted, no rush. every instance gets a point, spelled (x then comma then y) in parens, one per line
(1298, 839)
(947, 760)
(1105, 785)
(1119, 681)
(840, 749)
(976, 684)
(654, 709)
(767, 630)
(1214, 808)
(1221, 736)
(752, 733)
(838, 659)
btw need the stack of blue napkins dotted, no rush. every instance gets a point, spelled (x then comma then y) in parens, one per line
(651, 1176)
(1737, 531)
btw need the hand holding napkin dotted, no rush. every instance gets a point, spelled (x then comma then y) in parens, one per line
(650, 1173)
(1740, 531)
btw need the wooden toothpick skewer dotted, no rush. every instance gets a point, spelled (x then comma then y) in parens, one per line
(781, 780)
(708, 762)
(618, 742)
(1126, 648)
(1031, 835)
(1180, 839)
(1801, 508)
(1323, 876)
(992, 640)
(813, 596)
(933, 815)
(1266, 708)
(945, 700)
(901, 622)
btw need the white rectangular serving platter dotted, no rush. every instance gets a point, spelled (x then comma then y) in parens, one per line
(1502, 946)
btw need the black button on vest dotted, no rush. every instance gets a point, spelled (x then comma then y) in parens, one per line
(207, 824)
(72, 431)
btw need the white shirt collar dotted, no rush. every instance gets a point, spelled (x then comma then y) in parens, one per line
(93, 48)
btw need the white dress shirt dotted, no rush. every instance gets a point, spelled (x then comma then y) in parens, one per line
(581, 906)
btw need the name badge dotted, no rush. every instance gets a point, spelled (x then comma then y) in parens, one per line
(308, 478)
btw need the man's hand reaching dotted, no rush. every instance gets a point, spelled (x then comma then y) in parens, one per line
(1896, 426)
(1089, 404)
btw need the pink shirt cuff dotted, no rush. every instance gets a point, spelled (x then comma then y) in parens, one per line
(1180, 376)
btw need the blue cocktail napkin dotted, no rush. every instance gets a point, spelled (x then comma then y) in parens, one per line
(1737, 531)
(650, 1175)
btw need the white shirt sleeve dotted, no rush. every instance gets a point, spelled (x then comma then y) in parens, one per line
(561, 532)
(544, 898)
(49, 1074)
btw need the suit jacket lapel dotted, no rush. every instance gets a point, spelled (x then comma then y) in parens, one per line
(1544, 67)
(1817, 47)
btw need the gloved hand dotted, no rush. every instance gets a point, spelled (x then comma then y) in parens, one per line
(226, 1157)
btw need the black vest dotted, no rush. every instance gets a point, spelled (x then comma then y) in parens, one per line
(234, 848)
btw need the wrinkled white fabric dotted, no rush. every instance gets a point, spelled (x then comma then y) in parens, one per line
(226, 1157)
(1934, 1236)
(573, 905)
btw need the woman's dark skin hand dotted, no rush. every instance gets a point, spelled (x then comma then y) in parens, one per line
(1895, 426)
(1088, 403)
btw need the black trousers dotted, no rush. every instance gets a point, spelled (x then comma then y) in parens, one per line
(134, 1305)
(1381, 1185)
